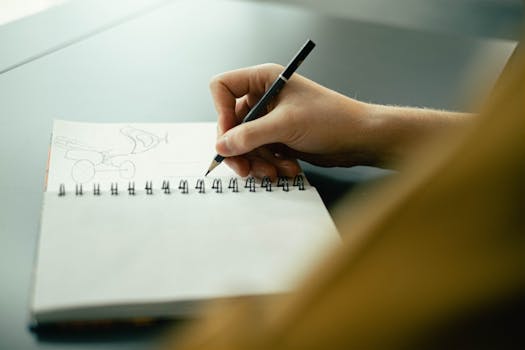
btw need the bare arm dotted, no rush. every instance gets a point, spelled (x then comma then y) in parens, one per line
(315, 124)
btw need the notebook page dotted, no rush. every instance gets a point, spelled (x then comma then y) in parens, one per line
(104, 153)
(112, 250)
(138, 248)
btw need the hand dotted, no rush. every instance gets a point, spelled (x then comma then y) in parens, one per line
(306, 121)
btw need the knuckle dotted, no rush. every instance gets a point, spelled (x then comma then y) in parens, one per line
(217, 80)
(268, 71)
(214, 80)
(270, 66)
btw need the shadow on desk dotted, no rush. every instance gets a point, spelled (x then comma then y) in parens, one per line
(113, 332)
(335, 183)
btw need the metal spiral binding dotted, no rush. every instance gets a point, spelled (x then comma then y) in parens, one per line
(250, 183)
(266, 183)
(166, 187)
(61, 190)
(114, 189)
(200, 186)
(183, 186)
(233, 184)
(149, 187)
(217, 185)
(283, 182)
(131, 188)
(298, 181)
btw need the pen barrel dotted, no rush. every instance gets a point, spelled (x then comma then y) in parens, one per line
(298, 59)
(261, 108)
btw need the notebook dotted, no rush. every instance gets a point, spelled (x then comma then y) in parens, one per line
(131, 228)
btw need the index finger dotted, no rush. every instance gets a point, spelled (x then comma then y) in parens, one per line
(227, 87)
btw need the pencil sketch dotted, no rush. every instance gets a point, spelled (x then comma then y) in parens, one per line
(91, 160)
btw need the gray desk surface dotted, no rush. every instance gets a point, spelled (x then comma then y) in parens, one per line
(32, 37)
(156, 67)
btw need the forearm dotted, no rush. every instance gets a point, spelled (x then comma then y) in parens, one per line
(315, 124)
(396, 132)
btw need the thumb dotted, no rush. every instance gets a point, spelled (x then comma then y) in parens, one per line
(247, 136)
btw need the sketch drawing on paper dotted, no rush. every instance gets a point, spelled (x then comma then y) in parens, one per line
(91, 160)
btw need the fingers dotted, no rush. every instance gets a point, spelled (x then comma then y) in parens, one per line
(242, 107)
(240, 165)
(262, 162)
(226, 88)
(288, 167)
(246, 137)
(283, 166)
(260, 168)
(234, 93)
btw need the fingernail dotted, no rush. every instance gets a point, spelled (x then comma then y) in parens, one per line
(289, 168)
(258, 173)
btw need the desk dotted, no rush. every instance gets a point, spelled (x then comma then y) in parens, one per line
(156, 67)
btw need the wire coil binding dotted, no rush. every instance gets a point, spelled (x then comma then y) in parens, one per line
(200, 186)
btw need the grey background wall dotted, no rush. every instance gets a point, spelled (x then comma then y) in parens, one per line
(487, 18)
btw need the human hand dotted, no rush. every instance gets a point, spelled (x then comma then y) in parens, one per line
(306, 121)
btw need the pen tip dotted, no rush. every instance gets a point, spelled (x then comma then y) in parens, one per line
(207, 173)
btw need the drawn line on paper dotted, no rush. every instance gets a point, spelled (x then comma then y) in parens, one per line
(91, 160)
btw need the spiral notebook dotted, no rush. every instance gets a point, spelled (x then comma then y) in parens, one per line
(131, 228)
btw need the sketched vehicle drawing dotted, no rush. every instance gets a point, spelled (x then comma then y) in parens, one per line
(90, 160)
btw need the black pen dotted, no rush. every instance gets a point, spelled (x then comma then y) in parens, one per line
(261, 107)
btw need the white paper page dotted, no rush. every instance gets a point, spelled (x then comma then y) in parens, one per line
(121, 249)
(88, 153)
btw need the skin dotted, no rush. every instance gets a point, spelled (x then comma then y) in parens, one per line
(313, 123)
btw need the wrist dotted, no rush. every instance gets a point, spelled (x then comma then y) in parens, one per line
(364, 133)
(382, 125)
